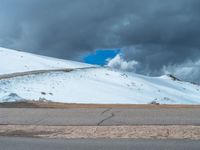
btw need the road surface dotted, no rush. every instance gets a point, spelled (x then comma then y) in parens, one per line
(35, 72)
(100, 116)
(16, 143)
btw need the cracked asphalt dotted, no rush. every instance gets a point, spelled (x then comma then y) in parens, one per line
(99, 116)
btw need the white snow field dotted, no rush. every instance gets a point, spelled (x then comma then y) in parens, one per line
(88, 84)
(12, 61)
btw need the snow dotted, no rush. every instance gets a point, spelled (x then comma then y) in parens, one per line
(88, 85)
(12, 97)
(12, 61)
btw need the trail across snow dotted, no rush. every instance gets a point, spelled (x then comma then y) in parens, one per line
(86, 83)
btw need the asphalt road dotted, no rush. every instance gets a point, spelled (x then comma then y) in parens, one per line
(100, 116)
(16, 143)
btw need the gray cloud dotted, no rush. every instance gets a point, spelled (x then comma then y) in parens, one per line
(189, 70)
(154, 33)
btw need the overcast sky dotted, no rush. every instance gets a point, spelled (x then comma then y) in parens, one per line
(159, 36)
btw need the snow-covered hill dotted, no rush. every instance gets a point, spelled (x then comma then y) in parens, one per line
(88, 84)
(12, 61)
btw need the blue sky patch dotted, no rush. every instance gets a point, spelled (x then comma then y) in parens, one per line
(100, 56)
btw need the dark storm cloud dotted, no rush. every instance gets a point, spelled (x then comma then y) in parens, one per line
(154, 33)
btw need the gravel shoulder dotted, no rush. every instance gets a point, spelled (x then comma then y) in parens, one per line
(95, 132)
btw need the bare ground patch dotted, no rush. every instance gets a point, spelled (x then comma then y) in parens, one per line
(38, 104)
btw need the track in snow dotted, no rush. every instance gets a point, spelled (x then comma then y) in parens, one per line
(36, 72)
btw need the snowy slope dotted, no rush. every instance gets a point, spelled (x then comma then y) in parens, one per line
(100, 85)
(90, 85)
(12, 61)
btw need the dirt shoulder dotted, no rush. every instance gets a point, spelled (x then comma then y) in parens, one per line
(133, 132)
(33, 104)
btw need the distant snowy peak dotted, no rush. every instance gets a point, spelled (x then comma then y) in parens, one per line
(13, 61)
(171, 77)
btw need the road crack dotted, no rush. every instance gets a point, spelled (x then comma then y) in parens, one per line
(105, 111)
(107, 118)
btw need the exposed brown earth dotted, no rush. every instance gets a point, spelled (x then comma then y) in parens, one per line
(34, 104)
